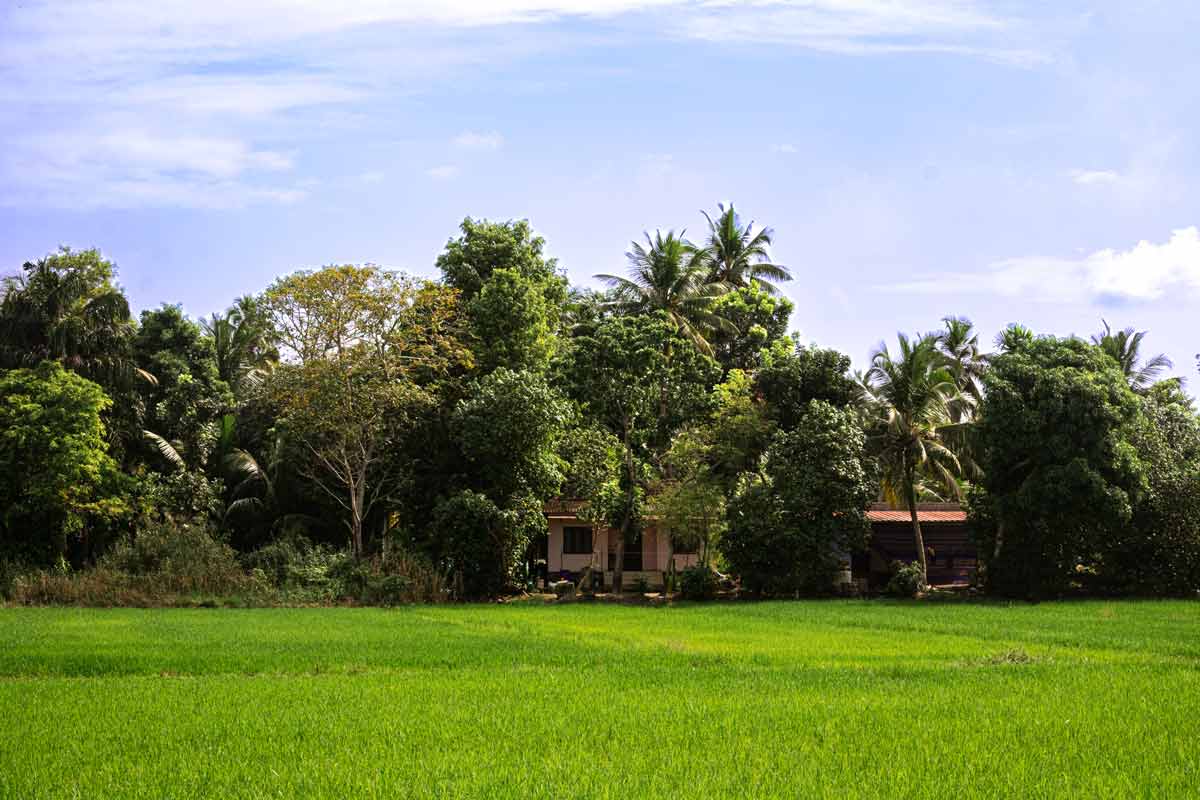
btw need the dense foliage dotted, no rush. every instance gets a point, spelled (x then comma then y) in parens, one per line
(355, 432)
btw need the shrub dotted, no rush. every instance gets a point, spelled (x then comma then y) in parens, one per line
(481, 544)
(905, 581)
(300, 570)
(167, 562)
(698, 583)
(182, 551)
(390, 579)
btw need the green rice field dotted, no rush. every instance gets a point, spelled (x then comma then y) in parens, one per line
(842, 699)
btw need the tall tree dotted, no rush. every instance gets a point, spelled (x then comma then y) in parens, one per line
(484, 247)
(1124, 347)
(788, 531)
(58, 480)
(362, 346)
(67, 308)
(1060, 477)
(184, 406)
(959, 343)
(758, 321)
(241, 340)
(736, 254)
(613, 370)
(911, 395)
(666, 275)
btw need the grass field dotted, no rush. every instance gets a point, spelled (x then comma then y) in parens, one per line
(827, 699)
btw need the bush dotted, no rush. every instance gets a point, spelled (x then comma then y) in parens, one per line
(300, 570)
(698, 583)
(167, 562)
(182, 550)
(905, 581)
(391, 579)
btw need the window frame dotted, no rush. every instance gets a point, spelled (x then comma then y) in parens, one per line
(575, 529)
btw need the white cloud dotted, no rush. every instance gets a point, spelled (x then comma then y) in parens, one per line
(786, 149)
(863, 27)
(472, 140)
(186, 93)
(1095, 177)
(1145, 272)
(443, 172)
(371, 176)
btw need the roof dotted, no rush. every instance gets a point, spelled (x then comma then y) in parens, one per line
(926, 512)
(879, 512)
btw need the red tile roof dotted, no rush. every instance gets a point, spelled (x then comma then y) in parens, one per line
(923, 515)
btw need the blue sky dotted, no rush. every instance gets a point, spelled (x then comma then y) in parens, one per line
(1009, 161)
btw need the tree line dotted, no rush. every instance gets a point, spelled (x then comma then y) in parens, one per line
(360, 408)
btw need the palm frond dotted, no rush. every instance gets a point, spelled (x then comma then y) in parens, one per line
(166, 449)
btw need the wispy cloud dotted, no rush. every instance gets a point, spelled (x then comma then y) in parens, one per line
(1145, 272)
(187, 93)
(1095, 177)
(443, 172)
(784, 149)
(473, 140)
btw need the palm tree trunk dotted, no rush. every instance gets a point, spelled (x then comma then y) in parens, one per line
(918, 539)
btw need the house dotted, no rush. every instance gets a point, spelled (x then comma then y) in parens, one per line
(573, 545)
(950, 554)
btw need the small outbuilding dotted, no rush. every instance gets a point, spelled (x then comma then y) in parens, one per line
(950, 555)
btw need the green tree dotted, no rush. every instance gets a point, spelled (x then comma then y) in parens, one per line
(1125, 347)
(363, 346)
(613, 370)
(757, 318)
(59, 482)
(592, 468)
(185, 404)
(788, 533)
(67, 308)
(788, 381)
(667, 276)
(1159, 551)
(241, 341)
(739, 255)
(469, 261)
(1060, 477)
(910, 396)
(690, 506)
(507, 430)
(512, 323)
(959, 344)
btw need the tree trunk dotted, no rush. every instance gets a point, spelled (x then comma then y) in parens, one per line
(918, 539)
(670, 564)
(663, 409)
(619, 566)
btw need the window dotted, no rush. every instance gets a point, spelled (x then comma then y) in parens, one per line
(577, 540)
(684, 548)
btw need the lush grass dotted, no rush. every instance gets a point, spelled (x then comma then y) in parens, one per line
(837, 699)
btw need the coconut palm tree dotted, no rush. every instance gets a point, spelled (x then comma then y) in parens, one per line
(1014, 337)
(66, 308)
(735, 254)
(241, 343)
(959, 344)
(666, 275)
(910, 395)
(1124, 347)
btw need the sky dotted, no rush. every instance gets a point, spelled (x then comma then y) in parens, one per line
(1008, 161)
